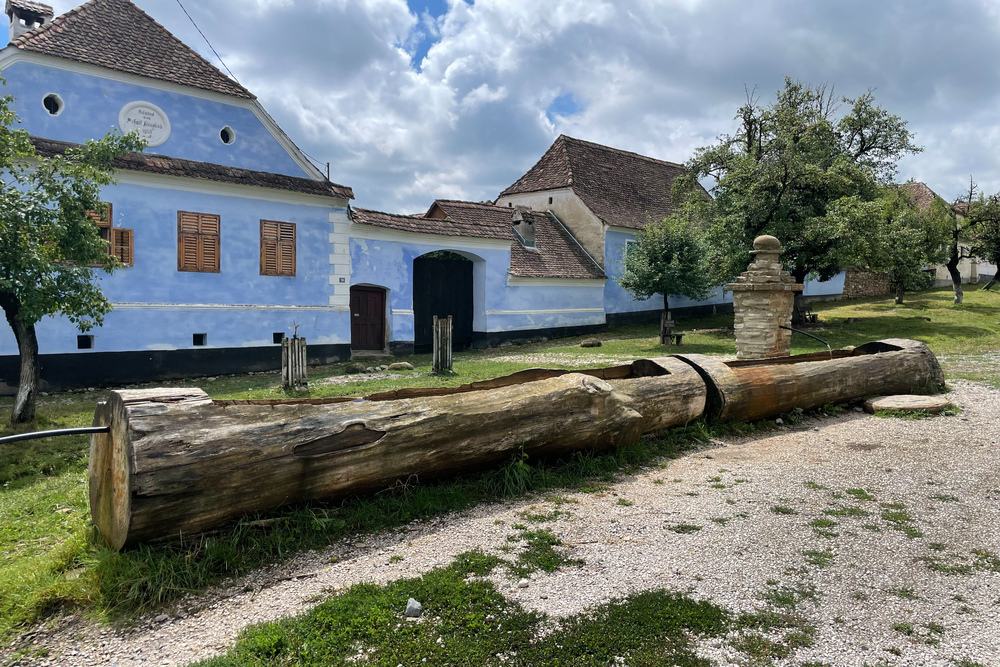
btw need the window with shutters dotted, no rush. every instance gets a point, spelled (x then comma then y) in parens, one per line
(277, 248)
(198, 236)
(120, 240)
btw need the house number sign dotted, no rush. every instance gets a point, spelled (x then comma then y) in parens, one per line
(145, 119)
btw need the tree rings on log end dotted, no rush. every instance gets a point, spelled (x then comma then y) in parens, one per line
(908, 403)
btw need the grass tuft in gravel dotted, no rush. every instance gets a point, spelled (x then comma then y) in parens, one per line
(782, 509)
(466, 621)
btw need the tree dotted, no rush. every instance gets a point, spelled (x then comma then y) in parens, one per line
(891, 235)
(781, 171)
(669, 257)
(47, 240)
(985, 215)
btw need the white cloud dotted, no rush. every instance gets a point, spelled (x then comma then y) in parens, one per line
(660, 77)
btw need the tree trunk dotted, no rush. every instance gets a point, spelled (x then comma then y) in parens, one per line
(177, 462)
(27, 346)
(665, 321)
(899, 294)
(991, 283)
(952, 266)
(799, 301)
(750, 390)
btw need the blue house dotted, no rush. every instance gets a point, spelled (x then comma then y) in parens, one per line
(502, 273)
(604, 196)
(232, 238)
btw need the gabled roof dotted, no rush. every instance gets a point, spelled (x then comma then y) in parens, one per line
(621, 188)
(119, 36)
(172, 166)
(557, 254)
(922, 195)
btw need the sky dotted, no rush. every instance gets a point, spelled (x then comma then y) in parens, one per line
(412, 101)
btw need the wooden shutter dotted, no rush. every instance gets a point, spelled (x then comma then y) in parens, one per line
(101, 218)
(121, 245)
(277, 248)
(198, 242)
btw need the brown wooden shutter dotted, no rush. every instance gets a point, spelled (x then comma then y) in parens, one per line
(121, 245)
(277, 248)
(101, 218)
(198, 242)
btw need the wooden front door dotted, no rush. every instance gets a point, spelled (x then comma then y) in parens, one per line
(367, 318)
(442, 287)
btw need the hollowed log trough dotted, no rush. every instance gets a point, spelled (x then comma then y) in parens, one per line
(176, 462)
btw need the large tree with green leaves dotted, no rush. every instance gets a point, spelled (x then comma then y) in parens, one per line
(891, 235)
(669, 257)
(984, 215)
(784, 167)
(48, 242)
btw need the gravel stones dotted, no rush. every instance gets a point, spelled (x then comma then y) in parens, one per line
(908, 403)
(591, 342)
(944, 471)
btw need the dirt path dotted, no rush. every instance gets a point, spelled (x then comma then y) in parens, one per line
(881, 531)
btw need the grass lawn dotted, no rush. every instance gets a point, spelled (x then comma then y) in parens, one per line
(51, 563)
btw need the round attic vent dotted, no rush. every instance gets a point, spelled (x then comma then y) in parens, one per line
(53, 104)
(228, 135)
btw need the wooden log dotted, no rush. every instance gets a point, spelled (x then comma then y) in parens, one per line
(750, 390)
(177, 462)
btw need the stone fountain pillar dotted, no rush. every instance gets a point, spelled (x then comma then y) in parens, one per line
(763, 297)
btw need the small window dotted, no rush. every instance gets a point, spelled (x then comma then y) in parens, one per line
(119, 240)
(53, 104)
(198, 241)
(227, 134)
(277, 248)
(510, 204)
(199, 339)
(630, 245)
(550, 200)
(277, 337)
(85, 342)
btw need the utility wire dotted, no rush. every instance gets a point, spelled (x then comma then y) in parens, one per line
(208, 42)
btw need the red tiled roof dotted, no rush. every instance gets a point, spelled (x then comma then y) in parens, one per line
(621, 188)
(922, 195)
(118, 35)
(557, 254)
(172, 166)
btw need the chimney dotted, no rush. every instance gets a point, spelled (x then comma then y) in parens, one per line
(523, 226)
(26, 15)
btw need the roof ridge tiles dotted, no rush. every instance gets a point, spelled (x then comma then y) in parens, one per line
(175, 166)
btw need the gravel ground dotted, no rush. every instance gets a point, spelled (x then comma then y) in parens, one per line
(944, 471)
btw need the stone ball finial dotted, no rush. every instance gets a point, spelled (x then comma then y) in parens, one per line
(766, 243)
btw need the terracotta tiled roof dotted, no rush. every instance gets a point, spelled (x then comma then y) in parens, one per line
(29, 6)
(118, 35)
(172, 166)
(621, 188)
(557, 254)
(922, 195)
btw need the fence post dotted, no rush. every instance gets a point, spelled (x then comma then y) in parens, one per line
(293, 363)
(441, 344)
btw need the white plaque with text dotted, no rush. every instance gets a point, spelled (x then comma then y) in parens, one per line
(145, 119)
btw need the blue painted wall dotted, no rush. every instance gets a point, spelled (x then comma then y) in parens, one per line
(154, 279)
(617, 300)
(92, 105)
(831, 287)
(497, 306)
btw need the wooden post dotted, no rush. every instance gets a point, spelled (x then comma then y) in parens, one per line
(442, 344)
(666, 326)
(293, 363)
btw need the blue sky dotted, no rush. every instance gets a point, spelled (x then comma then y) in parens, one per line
(416, 99)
